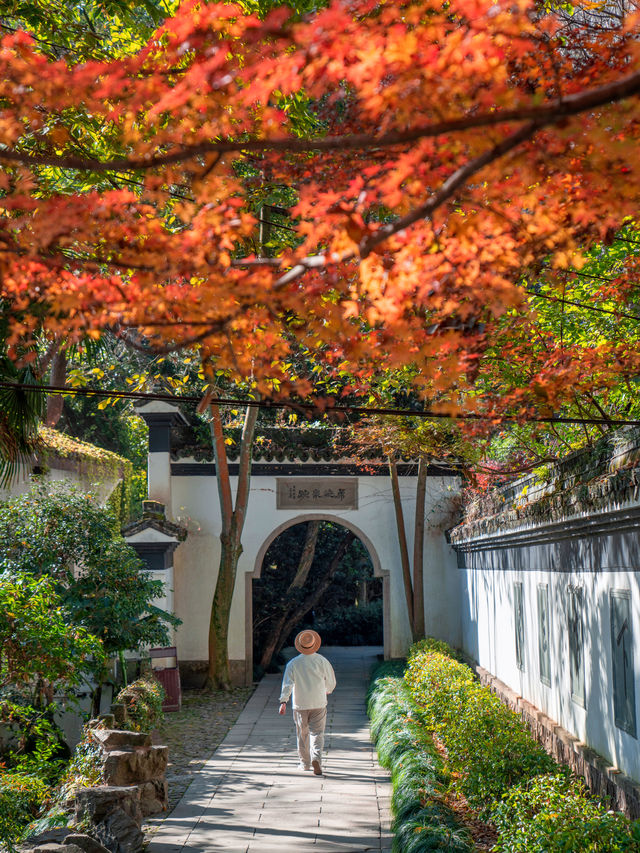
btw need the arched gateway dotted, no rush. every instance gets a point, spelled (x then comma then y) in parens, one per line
(300, 486)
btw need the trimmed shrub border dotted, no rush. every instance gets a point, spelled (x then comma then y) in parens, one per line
(443, 734)
(602, 779)
(422, 821)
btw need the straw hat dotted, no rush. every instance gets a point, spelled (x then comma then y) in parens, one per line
(307, 642)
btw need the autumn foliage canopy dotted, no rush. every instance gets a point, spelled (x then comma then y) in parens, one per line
(447, 152)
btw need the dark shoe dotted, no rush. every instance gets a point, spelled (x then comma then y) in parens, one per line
(317, 770)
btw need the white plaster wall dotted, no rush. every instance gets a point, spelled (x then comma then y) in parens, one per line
(488, 628)
(159, 477)
(195, 503)
(441, 580)
(101, 488)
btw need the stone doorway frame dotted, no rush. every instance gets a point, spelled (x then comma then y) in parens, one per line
(378, 572)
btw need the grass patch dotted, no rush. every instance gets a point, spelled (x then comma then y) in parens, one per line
(422, 822)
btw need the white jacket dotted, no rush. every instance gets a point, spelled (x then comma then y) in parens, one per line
(310, 677)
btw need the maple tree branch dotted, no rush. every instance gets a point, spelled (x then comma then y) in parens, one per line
(448, 188)
(556, 111)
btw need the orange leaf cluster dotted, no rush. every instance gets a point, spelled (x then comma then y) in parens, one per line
(464, 143)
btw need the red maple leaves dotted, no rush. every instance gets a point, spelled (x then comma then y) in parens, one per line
(457, 146)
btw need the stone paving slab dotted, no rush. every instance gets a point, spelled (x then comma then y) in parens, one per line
(250, 796)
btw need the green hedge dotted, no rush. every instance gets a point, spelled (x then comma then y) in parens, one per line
(555, 813)
(352, 626)
(487, 744)
(505, 774)
(422, 823)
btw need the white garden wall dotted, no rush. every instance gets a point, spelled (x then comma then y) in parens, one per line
(489, 637)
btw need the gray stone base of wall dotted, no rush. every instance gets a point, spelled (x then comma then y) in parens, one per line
(193, 673)
(603, 780)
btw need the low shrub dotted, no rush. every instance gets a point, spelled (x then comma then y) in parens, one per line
(352, 626)
(22, 796)
(537, 807)
(487, 744)
(430, 644)
(36, 747)
(143, 700)
(555, 813)
(422, 823)
(85, 768)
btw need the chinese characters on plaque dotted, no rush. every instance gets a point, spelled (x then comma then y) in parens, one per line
(317, 493)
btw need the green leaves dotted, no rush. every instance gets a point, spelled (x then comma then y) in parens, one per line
(422, 821)
(93, 29)
(62, 535)
(556, 813)
(535, 804)
(487, 744)
(39, 648)
(21, 796)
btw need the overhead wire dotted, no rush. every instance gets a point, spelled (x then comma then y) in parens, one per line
(311, 407)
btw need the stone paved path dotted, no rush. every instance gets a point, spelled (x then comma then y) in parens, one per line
(250, 796)
(194, 733)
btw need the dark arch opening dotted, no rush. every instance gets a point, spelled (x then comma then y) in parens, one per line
(316, 573)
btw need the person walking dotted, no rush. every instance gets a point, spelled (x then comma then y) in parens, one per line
(310, 677)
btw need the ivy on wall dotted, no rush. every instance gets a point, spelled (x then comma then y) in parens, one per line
(93, 462)
(584, 482)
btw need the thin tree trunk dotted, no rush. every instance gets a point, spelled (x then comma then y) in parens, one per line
(219, 676)
(308, 553)
(271, 642)
(402, 541)
(96, 700)
(55, 402)
(316, 594)
(418, 552)
(301, 575)
(45, 360)
(233, 519)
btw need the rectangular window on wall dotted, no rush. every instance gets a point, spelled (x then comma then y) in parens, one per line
(518, 608)
(544, 640)
(624, 691)
(576, 644)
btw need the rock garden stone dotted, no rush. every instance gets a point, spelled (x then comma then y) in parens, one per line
(154, 797)
(110, 739)
(85, 842)
(98, 803)
(131, 767)
(120, 833)
(57, 848)
(49, 836)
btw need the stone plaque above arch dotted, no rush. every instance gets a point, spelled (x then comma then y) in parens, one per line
(317, 493)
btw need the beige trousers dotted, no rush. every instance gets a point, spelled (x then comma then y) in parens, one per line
(310, 727)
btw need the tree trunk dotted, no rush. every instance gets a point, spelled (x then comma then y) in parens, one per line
(402, 541)
(418, 552)
(233, 518)
(271, 642)
(96, 700)
(219, 675)
(306, 558)
(301, 575)
(55, 402)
